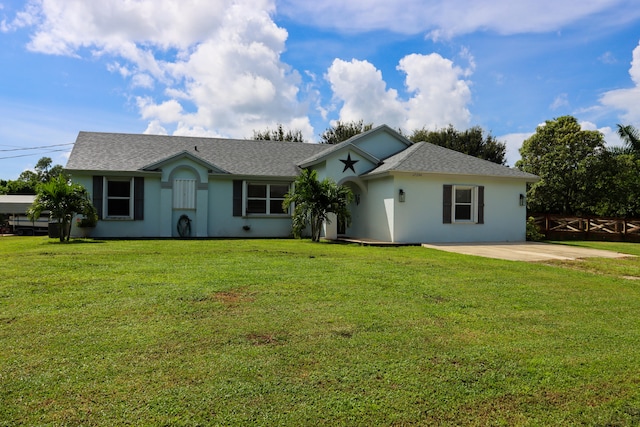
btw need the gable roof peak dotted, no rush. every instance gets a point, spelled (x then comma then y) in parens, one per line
(380, 129)
(184, 154)
(353, 144)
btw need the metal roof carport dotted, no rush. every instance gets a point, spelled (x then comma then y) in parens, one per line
(16, 204)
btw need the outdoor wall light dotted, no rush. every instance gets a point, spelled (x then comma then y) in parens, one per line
(357, 198)
(401, 195)
(522, 200)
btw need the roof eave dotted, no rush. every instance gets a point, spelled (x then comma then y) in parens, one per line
(372, 175)
(184, 154)
(135, 172)
(320, 157)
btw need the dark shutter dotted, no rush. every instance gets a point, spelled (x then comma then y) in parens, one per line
(97, 194)
(138, 198)
(446, 203)
(481, 204)
(237, 197)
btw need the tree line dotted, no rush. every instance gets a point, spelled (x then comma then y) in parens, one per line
(579, 175)
(27, 182)
(473, 141)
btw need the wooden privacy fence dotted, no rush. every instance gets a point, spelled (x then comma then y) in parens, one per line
(588, 228)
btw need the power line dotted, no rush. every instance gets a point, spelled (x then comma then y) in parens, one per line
(32, 154)
(36, 148)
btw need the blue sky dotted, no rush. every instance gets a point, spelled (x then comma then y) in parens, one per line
(228, 67)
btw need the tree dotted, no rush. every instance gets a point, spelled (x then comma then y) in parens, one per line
(560, 153)
(29, 180)
(279, 134)
(44, 170)
(18, 187)
(63, 200)
(343, 131)
(314, 200)
(471, 141)
(613, 185)
(631, 138)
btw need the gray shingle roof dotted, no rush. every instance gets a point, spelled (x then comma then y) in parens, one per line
(131, 152)
(117, 152)
(424, 157)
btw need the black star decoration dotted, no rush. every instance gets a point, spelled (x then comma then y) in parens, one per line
(348, 164)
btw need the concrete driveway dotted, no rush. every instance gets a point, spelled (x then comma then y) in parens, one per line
(524, 251)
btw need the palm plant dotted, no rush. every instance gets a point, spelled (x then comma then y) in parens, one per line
(63, 200)
(631, 137)
(314, 200)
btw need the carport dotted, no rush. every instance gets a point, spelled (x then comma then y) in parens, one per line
(16, 206)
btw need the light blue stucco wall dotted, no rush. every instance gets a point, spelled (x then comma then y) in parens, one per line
(212, 217)
(381, 144)
(379, 214)
(222, 223)
(108, 228)
(419, 218)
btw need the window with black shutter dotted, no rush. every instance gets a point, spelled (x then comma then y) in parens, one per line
(119, 197)
(463, 204)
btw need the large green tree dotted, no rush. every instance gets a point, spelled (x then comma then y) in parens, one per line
(561, 153)
(612, 187)
(472, 141)
(342, 131)
(63, 200)
(314, 200)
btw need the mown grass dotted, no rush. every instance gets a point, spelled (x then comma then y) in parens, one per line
(284, 332)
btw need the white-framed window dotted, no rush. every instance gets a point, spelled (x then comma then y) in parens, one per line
(265, 198)
(463, 204)
(118, 197)
(184, 193)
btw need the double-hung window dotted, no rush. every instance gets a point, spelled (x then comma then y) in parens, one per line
(265, 198)
(463, 204)
(119, 198)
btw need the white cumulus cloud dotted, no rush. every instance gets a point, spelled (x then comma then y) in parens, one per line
(627, 100)
(439, 94)
(513, 142)
(217, 61)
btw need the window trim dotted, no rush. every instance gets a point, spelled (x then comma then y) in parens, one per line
(268, 199)
(473, 204)
(106, 198)
(449, 204)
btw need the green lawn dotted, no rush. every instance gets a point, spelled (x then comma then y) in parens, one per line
(286, 332)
